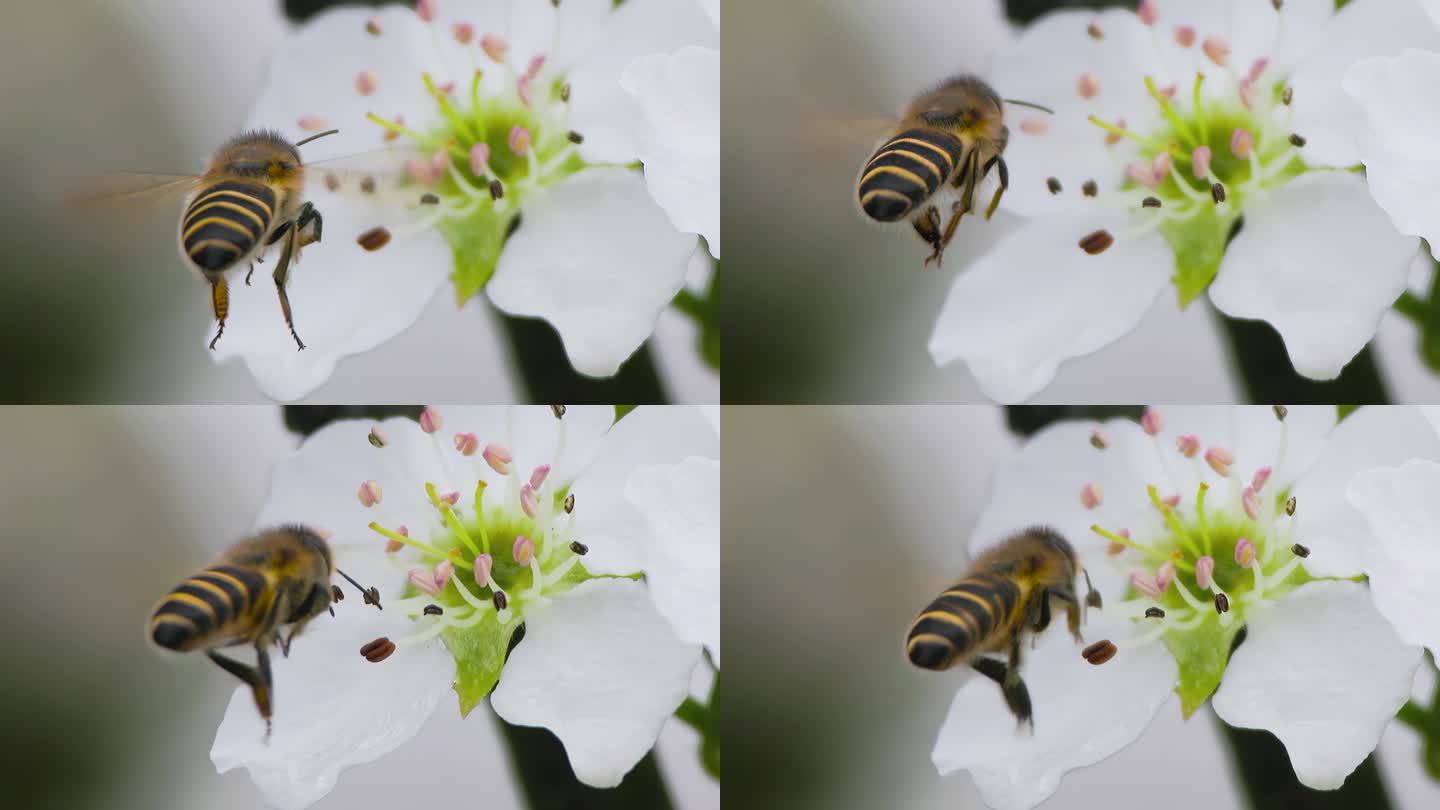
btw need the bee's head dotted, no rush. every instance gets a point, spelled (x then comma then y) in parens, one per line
(263, 155)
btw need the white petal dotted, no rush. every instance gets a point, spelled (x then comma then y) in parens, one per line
(1329, 710)
(599, 108)
(1295, 265)
(603, 300)
(1041, 486)
(1404, 562)
(345, 299)
(1045, 67)
(1330, 120)
(332, 708)
(1398, 144)
(605, 521)
(1037, 300)
(533, 435)
(1432, 7)
(1083, 714)
(603, 671)
(712, 10)
(1337, 534)
(531, 32)
(681, 502)
(680, 145)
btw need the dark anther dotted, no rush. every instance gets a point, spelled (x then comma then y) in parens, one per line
(1277, 4)
(565, 92)
(1300, 551)
(1150, 202)
(429, 198)
(372, 240)
(569, 503)
(336, 595)
(1099, 652)
(1296, 140)
(1097, 441)
(1287, 96)
(579, 548)
(500, 600)
(1154, 613)
(375, 439)
(1097, 242)
(1053, 184)
(433, 610)
(332, 182)
(497, 190)
(378, 650)
(1217, 193)
(1094, 31)
(575, 137)
(368, 185)
(1222, 603)
(371, 595)
(1290, 506)
(1280, 412)
(558, 410)
(1090, 189)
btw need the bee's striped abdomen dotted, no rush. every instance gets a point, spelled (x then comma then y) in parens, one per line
(225, 221)
(961, 621)
(191, 614)
(906, 171)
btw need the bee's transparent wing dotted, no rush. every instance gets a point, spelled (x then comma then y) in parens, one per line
(128, 190)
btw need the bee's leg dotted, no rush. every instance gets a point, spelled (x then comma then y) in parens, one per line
(1017, 697)
(308, 214)
(281, 275)
(220, 304)
(927, 225)
(257, 678)
(1037, 611)
(1072, 610)
(1004, 183)
(966, 178)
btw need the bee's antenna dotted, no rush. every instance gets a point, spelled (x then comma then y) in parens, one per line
(317, 135)
(371, 595)
(1029, 104)
(1092, 596)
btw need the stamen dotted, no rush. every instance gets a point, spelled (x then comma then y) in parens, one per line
(497, 190)
(378, 650)
(479, 159)
(1297, 141)
(1244, 553)
(1280, 411)
(1099, 652)
(1151, 421)
(537, 476)
(1200, 161)
(1188, 445)
(430, 419)
(569, 504)
(574, 137)
(1090, 188)
(1147, 12)
(336, 595)
(1034, 125)
(1300, 551)
(365, 82)
(376, 437)
(484, 564)
(1087, 86)
(1185, 35)
(1217, 192)
(527, 500)
(522, 550)
(1093, 29)
(1053, 184)
(519, 141)
(1222, 603)
(372, 26)
(1241, 143)
(463, 32)
(405, 539)
(425, 10)
(1219, 460)
(498, 458)
(1261, 476)
(1205, 572)
(1145, 584)
(500, 600)
(467, 443)
(1290, 507)
(311, 123)
(369, 494)
(494, 47)
(1098, 440)
(1096, 243)
(1091, 496)
(424, 580)
(1154, 613)
(443, 571)
(579, 548)
(1150, 202)
(1217, 49)
(429, 198)
(433, 610)
(1250, 504)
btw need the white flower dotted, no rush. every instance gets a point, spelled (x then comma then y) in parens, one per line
(509, 115)
(1169, 126)
(1403, 563)
(1147, 514)
(487, 514)
(1398, 142)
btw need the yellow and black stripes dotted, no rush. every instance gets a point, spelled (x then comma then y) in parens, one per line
(962, 620)
(225, 221)
(190, 615)
(906, 171)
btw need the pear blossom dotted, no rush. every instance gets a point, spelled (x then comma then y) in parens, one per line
(1184, 567)
(492, 144)
(463, 555)
(1398, 501)
(1171, 127)
(1397, 142)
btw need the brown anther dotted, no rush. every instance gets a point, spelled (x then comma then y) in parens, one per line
(1280, 412)
(569, 503)
(558, 410)
(1150, 202)
(1097, 242)
(429, 198)
(374, 239)
(378, 650)
(332, 182)
(1222, 603)
(1217, 193)
(579, 548)
(1277, 4)
(500, 600)
(1090, 188)
(1097, 441)
(336, 595)
(1287, 96)
(497, 190)
(372, 596)
(1296, 140)
(565, 92)
(575, 137)
(367, 185)
(1094, 31)
(1154, 613)
(1099, 652)
(433, 610)
(1290, 507)
(1053, 184)
(1300, 551)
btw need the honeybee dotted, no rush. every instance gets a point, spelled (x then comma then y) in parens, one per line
(277, 578)
(249, 198)
(1004, 597)
(951, 136)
